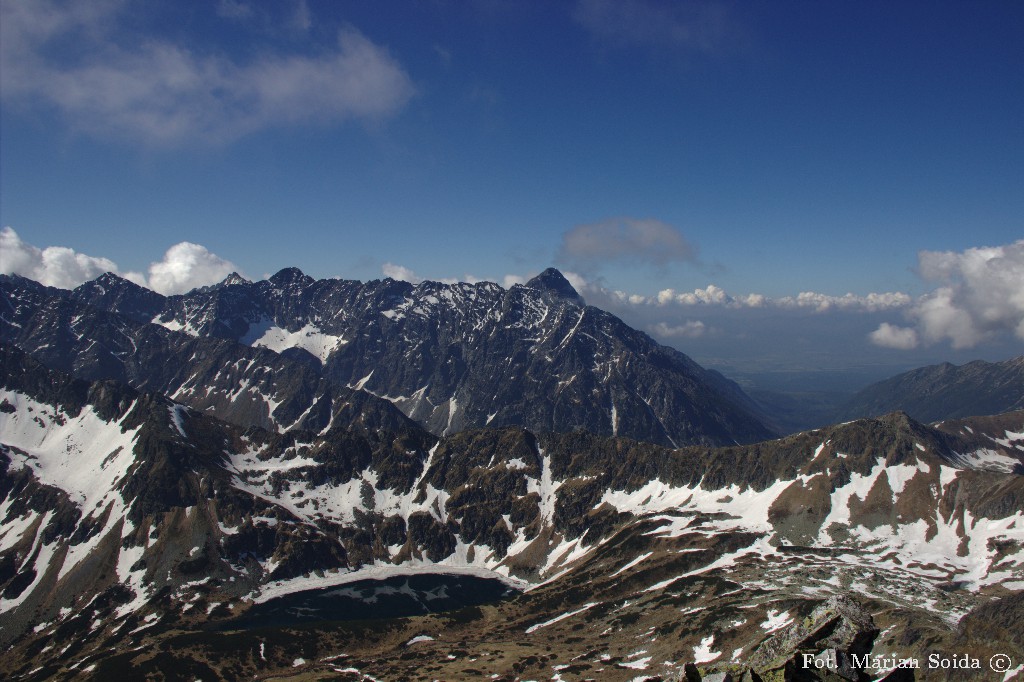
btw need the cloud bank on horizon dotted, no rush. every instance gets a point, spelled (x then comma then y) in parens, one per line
(980, 297)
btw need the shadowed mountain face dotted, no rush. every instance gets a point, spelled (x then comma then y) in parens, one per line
(944, 391)
(129, 519)
(287, 352)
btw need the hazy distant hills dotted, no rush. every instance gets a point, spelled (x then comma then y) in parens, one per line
(945, 391)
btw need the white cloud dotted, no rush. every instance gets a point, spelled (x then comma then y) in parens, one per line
(467, 278)
(187, 266)
(510, 281)
(629, 240)
(941, 316)
(892, 336)
(405, 274)
(982, 294)
(401, 273)
(117, 85)
(713, 295)
(578, 282)
(136, 278)
(184, 267)
(690, 329)
(823, 302)
(55, 266)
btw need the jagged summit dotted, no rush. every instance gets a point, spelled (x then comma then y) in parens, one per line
(112, 278)
(290, 276)
(278, 353)
(115, 293)
(109, 280)
(234, 279)
(554, 283)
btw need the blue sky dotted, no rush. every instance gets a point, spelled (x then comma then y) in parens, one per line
(766, 149)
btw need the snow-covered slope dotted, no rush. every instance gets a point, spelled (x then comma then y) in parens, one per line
(196, 519)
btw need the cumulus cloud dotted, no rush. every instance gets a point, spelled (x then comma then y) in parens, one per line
(187, 266)
(892, 336)
(981, 296)
(55, 266)
(404, 274)
(401, 273)
(872, 302)
(691, 26)
(114, 84)
(628, 240)
(184, 267)
(941, 316)
(713, 295)
(578, 281)
(690, 329)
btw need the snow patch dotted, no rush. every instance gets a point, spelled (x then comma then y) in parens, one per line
(702, 653)
(776, 621)
(556, 619)
(419, 638)
(309, 338)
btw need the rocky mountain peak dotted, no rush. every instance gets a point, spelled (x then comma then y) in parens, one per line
(113, 279)
(108, 281)
(288, 276)
(121, 296)
(234, 279)
(555, 284)
(432, 348)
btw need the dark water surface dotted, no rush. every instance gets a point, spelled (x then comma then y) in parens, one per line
(394, 597)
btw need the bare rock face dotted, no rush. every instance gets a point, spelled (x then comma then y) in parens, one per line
(288, 352)
(832, 643)
(834, 633)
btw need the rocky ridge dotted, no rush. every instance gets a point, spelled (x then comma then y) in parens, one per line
(283, 352)
(945, 391)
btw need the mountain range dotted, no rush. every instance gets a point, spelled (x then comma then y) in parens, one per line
(214, 486)
(283, 353)
(945, 391)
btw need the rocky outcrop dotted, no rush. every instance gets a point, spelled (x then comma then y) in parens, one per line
(831, 644)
